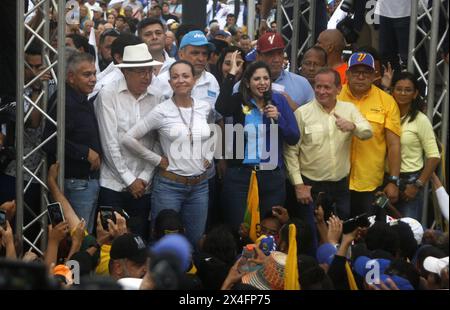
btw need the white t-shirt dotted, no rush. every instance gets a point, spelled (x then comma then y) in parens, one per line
(393, 9)
(185, 159)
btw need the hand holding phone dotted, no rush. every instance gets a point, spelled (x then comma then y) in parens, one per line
(106, 213)
(55, 213)
(355, 222)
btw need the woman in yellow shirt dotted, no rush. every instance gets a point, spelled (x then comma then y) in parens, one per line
(417, 141)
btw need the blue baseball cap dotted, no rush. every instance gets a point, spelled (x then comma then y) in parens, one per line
(251, 56)
(402, 283)
(196, 38)
(325, 253)
(176, 245)
(361, 58)
(364, 264)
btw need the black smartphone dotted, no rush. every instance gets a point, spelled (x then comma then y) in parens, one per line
(106, 213)
(55, 213)
(351, 224)
(3, 219)
(381, 201)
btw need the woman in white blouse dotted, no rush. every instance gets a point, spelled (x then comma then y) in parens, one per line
(182, 124)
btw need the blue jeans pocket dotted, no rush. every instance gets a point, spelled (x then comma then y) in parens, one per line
(76, 185)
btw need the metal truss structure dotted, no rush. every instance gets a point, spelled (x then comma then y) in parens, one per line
(429, 28)
(303, 17)
(434, 73)
(54, 62)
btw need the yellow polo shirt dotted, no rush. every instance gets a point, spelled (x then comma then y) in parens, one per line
(417, 138)
(323, 152)
(368, 157)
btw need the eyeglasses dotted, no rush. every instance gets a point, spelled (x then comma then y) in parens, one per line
(364, 73)
(142, 71)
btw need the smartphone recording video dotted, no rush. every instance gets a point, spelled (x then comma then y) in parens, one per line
(351, 224)
(55, 213)
(106, 213)
(381, 201)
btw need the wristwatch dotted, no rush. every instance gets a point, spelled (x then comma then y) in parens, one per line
(419, 184)
(394, 179)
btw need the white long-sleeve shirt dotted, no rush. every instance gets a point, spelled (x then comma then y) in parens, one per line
(442, 198)
(117, 112)
(184, 159)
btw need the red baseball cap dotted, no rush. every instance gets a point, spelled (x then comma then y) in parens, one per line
(270, 41)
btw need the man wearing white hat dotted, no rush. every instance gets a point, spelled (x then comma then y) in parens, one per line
(125, 178)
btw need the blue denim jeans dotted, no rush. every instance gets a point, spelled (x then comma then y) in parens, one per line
(190, 201)
(271, 187)
(412, 208)
(82, 195)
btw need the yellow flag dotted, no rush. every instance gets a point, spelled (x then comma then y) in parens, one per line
(252, 217)
(291, 270)
(350, 278)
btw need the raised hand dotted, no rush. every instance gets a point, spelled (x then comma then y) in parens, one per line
(343, 124)
(236, 64)
(386, 80)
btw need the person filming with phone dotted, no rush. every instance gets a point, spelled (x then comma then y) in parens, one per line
(320, 162)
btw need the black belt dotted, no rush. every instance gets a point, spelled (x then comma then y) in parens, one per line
(254, 167)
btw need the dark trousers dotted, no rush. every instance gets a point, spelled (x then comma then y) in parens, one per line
(271, 187)
(361, 202)
(394, 41)
(137, 209)
(336, 198)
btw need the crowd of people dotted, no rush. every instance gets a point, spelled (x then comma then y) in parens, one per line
(220, 168)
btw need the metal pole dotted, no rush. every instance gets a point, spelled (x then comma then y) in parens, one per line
(295, 36)
(20, 44)
(45, 56)
(279, 17)
(432, 58)
(61, 91)
(412, 35)
(312, 21)
(251, 17)
(237, 8)
(431, 84)
(444, 119)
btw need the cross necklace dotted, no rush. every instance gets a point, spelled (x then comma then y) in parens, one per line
(189, 127)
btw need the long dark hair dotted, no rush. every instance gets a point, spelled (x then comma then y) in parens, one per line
(244, 90)
(418, 103)
(220, 61)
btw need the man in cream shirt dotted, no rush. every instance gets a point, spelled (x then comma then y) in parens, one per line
(320, 162)
(125, 178)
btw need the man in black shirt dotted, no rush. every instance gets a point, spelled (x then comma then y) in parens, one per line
(82, 141)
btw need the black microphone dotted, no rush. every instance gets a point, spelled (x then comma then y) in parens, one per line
(267, 96)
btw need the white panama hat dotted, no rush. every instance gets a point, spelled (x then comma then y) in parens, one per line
(135, 56)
